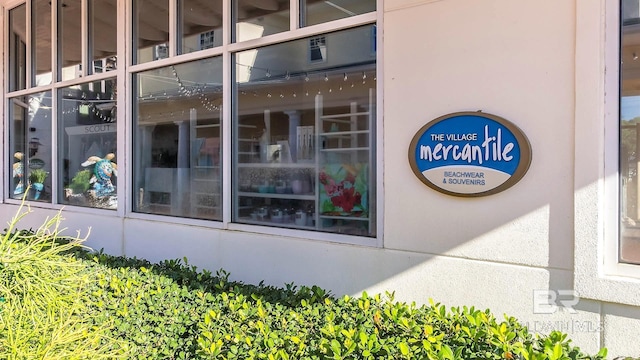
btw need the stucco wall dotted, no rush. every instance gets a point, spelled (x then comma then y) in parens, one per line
(514, 59)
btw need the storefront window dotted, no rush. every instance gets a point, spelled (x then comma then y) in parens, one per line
(201, 24)
(255, 19)
(317, 12)
(103, 35)
(30, 147)
(41, 39)
(87, 145)
(151, 30)
(629, 131)
(69, 39)
(17, 48)
(304, 135)
(177, 140)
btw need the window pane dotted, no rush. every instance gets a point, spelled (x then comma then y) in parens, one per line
(87, 145)
(177, 140)
(69, 36)
(317, 12)
(151, 30)
(41, 37)
(257, 18)
(30, 146)
(201, 25)
(103, 44)
(629, 139)
(304, 135)
(17, 48)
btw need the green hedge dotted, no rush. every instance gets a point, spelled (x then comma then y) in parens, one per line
(170, 310)
(134, 309)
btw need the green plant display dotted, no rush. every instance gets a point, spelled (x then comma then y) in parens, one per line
(91, 304)
(81, 181)
(43, 302)
(37, 176)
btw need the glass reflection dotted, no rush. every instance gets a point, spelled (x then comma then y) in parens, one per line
(304, 135)
(87, 145)
(69, 37)
(201, 25)
(316, 11)
(255, 19)
(629, 139)
(17, 48)
(177, 140)
(151, 30)
(30, 147)
(103, 44)
(41, 38)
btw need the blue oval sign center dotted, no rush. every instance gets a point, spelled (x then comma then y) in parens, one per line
(470, 154)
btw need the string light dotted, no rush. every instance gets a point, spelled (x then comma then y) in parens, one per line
(198, 90)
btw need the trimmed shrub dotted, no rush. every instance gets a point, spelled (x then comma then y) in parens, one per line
(171, 311)
(60, 301)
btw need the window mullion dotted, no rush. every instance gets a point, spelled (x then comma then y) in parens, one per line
(295, 16)
(56, 60)
(28, 45)
(173, 27)
(86, 38)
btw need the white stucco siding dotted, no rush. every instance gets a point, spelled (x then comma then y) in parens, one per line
(513, 59)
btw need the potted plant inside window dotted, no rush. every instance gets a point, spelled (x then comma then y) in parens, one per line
(81, 182)
(36, 179)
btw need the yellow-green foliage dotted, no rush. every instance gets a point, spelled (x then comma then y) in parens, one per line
(80, 183)
(42, 298)
(85, 305)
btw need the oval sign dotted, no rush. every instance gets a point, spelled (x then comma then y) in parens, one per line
(470, 154)
(36, 163)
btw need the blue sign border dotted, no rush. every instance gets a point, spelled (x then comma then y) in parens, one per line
(473, 140)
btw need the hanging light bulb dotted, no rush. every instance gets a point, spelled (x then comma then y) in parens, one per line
(364, 75)
(288, 76)
(326, 78)
(268, 74)
(345, 78)
(306, 77)
(635, 56)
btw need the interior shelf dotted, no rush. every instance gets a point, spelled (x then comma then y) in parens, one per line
(309, 146)
(310, 196)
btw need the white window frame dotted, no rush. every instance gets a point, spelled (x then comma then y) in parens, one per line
(226, 50)
(597, 272)
(124, 75)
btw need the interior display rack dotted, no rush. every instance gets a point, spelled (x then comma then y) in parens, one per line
(316, 174)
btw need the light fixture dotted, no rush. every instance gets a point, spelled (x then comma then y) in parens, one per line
(635, 56)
